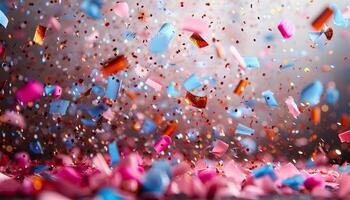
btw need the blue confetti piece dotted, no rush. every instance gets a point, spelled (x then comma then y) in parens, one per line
(344, 169)
(172, 92)
(249, 145)
(251, 62)
(114, 153)
(294, 182)
(269, 37)
(235, 112)
(88, 122)
(113, 87)
(3, 19)
(157, 178)
(98, 110)
(338, 18)
(311, 94)
(192, 83)
(109, 194)
(160, 42)
(92, 8)
(59, 107)
(49, 89)
(244, 130)
(287, 66)
(98, 90)
(129, 35)
(36, 147)
(37, 169)
(148, 126)
(332, 96)
(263, 171)
(3, 7)
(315, 36)
(77, 90)
(270, 99)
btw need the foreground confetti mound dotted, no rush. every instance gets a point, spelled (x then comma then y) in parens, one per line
(174, 99)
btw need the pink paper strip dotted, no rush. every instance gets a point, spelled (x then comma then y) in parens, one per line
(286, 28)
(220, 148)
(195, 25)
(162, 144)
(154, 84)
(101, 164)
(122, 9)
(238, 57)
(345, 136)
(292, 107)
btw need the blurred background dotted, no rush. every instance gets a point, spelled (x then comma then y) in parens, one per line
(73, 55)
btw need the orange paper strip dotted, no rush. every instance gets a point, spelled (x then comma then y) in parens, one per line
(198, 40)
(316, 115)
(39, 34)
(114, 66)
(240, 87)
(196, 101)
(318, 23)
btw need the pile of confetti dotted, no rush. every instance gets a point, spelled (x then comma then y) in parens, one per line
(174, 99)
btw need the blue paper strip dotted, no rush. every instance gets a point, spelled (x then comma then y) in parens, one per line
(59, 107)
(263, 171)
(312, 93)
(270, 99)
(113, 153)
(251, 62)
(160, 42)
(244, 130)
(148, 126)
(332, 96)
(192, 83)
(3, 19)
(113, 87)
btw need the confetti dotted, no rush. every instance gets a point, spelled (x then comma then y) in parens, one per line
(323, 18)
(244, 130)
(30, 92)
(39, 36)
(160, 42)
(59, 107)
(270, 99)
(196, 101)
(292, 107)
(220, 148)
(122, 9)
(3, 19)
(286, 28)
(311, 94)
(240, 87)
(113, 88)
(115, 65)
(198, 40)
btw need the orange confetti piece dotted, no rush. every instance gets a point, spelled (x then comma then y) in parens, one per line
(170, 129)
(114, 66)
(198, 40)
(316, 115)
(318, 23)
(240, 87)
(39, 35)
(196, 101)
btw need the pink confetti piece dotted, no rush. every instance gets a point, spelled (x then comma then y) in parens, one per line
(53, 22)
(195, 25)
(345, 136)
(313, 181)
(155, 84)
(69, 174)
(122, 9)
(13, 118)
(162, 143)
(101, 164)
(238, 57)
(286, 28)
(220, 148)
(57, 92)
(292, 107)
(52, 196)
(22, 159)
(32, 91)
